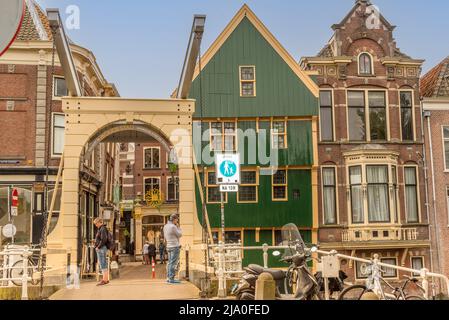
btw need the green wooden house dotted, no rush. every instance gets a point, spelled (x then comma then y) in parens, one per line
(253, 98)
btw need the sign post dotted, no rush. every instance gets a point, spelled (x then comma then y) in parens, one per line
(228, 178)
(14, 207)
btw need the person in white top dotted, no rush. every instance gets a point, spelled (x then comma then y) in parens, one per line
(146, 258)
(172, 234)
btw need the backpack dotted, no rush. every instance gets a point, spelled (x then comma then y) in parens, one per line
(110, 244)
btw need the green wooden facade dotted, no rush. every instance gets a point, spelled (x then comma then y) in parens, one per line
(280, 94)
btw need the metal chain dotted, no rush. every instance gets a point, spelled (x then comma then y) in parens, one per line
(205, 231)
(43, 242)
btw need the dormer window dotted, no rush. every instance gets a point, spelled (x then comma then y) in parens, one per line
(365, 64)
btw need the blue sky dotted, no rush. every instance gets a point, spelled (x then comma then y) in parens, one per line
(140, 44)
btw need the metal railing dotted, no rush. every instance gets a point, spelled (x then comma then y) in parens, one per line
(425, 274)
(7, 254)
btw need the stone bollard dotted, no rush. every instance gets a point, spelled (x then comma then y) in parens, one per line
(265, 287)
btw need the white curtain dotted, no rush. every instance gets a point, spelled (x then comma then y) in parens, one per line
(378, 200)
(356, 194)
(411, 198)
(329, 196)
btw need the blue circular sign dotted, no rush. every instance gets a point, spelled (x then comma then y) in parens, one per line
(228, 168)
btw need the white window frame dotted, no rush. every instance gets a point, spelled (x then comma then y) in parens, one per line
(250, 185)
(144, 158)
(176, 188)
(211, 185)
(411, 264)
(417, 194)
(446, 169)
(223, 135)
(333, 115)
(53, 114)
(144, 184)
(279, 185)
(242, 81)
(372, 65)
(336, 195)
(364, 186)
(276, 134)
(55, 97)
(396, 265)
(413, 113)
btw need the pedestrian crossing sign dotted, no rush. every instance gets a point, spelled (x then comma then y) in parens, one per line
(227, 168)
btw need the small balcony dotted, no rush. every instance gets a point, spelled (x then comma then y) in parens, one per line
(365, 234)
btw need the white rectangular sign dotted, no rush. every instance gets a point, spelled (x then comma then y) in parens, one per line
(227, 168)
(229, 188)
(14, 211)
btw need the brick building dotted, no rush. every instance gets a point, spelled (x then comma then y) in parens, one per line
(435, 101)
(32, 132)
(372, 183)
(150, 192)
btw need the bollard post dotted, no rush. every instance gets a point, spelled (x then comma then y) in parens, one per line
(68, 274)
(153, 268)
(222, 294)
(187, 263)
(425, 283)
(25, 256)
(265, 255)
(265, 287)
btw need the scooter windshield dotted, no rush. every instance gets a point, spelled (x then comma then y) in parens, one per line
(292, 238)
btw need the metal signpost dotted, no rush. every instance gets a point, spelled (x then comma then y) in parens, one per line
(228, 178)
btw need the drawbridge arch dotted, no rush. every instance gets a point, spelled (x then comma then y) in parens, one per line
(90, 121)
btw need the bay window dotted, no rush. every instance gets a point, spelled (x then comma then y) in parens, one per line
(378, 195)
(372, 194)
(355, 174)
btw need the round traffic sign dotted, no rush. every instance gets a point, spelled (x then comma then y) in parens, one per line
(11, 17)
(228, 168)
(9, 230)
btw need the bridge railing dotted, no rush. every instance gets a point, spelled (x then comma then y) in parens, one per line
(425, 275)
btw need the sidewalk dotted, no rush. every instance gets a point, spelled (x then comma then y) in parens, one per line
(135, 283)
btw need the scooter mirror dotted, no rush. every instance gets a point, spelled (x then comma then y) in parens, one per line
(314, 249)
(276, 253)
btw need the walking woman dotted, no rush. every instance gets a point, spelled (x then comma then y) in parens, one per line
(101, 242)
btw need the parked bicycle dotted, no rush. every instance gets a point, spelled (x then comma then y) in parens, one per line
(14, 269)
(298, 283)
(375, 284)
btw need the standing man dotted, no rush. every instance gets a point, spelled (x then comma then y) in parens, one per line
(101, 242)
(172, 234)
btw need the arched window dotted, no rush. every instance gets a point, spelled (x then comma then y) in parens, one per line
(365, 64)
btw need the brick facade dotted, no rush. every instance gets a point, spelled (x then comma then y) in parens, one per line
(336, 68)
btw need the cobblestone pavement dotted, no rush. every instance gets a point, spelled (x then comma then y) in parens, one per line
(135, 283)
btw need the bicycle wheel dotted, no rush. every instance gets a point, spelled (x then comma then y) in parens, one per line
(354, 292)
(17, 272)
(415, 298)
